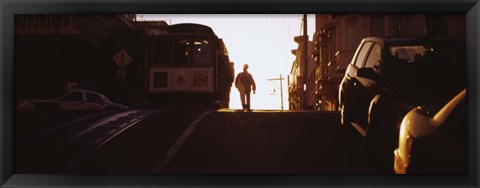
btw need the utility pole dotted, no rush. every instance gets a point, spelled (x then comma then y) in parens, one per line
(281, 89)
(305, 61)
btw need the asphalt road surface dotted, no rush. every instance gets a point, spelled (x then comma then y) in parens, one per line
(189, 140)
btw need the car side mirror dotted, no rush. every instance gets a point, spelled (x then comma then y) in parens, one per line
(368, 73)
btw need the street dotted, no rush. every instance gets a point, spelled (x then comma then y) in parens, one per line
(189, 140)
(106, 95)
(269, 143)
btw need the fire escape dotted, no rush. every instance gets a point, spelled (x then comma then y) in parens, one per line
(325, 59)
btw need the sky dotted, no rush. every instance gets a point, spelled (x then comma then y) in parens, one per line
(262, 41)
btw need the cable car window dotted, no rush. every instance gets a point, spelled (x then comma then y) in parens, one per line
(202, 54)
(160, 52)
(181, 52)
(160, 79)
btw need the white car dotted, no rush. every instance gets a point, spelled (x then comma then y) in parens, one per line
(433, 139)
(73, 100)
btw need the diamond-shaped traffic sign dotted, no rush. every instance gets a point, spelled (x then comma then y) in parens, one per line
(122, 58)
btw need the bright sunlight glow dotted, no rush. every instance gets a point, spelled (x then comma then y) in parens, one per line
(264, 42)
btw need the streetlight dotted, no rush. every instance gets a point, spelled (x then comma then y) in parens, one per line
(281, 88)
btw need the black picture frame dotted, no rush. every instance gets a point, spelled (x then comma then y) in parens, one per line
(9, 8)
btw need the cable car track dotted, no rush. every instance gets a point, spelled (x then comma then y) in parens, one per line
(67, 125)
(76, 145)
(99, 133)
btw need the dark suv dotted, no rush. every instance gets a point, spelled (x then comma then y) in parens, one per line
(388, 77)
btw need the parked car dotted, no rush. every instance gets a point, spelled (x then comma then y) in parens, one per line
(388, 77)
(73, 100)
(433, 140)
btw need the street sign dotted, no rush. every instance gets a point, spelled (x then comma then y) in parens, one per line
(122, 58)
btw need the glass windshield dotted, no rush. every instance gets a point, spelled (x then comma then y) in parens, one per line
(160, 52)
(181, 52)
(202, 54)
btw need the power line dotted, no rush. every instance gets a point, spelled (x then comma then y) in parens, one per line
(281, 88)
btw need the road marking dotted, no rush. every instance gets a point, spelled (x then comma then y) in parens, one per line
(174, 148)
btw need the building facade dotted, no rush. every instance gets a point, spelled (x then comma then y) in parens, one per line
(300, 84)
(337, 36)
(93, 28)
(52, 50)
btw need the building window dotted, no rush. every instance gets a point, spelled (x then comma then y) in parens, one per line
(66, 20)
(353, 35)
(377, 25)
(42, 21)
(436, 25)
(48, 19)
(30, 20)
(399, 24)
(56, 20)
(18, 20)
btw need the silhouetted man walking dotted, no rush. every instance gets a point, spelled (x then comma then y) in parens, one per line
(245, 84)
